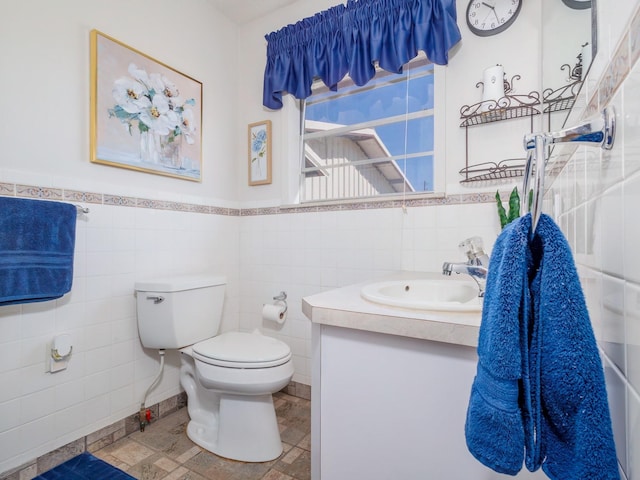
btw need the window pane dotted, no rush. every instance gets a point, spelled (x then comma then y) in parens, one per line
(353, 181)
(380, 98)
(419, 136)
(371, 140)
(419, 171)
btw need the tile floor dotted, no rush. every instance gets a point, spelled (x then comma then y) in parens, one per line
(163, 450)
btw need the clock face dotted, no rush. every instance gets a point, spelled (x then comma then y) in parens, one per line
(488, 17)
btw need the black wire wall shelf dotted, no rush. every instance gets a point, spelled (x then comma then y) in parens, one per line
(491, 171)
(563, 98)
(508, 107)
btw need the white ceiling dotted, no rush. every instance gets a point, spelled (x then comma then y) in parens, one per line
(244, 11)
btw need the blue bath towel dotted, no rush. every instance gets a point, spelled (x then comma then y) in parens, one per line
(576, 438)
(539, 394)
(495, 430)
(37, 240)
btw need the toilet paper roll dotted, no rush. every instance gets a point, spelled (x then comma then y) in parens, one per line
(274, 313)
(493, 85)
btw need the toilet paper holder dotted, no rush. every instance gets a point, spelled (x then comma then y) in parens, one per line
(61, 347)
(60, 350)
(282, 297)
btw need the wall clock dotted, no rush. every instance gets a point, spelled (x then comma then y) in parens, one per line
(489, 17)
(577, 4)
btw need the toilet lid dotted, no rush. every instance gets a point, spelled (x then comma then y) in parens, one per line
(242, 350)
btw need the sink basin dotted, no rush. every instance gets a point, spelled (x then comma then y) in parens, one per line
(425, 294)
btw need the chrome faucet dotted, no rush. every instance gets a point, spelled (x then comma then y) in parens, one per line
(476, 266)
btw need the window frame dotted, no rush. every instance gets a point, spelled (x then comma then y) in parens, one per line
(439, 168)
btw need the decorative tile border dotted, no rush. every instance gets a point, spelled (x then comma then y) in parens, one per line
(622, 62)
(223, 211)
(7, 189)
(616, 72)
(76, 196)
(634, 39)
(29, 191)
(118, 201)
(84, 197)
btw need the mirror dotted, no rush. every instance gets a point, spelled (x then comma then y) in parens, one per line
(568, 46)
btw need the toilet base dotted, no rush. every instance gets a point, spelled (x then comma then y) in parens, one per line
(247, 430)
(234, 425)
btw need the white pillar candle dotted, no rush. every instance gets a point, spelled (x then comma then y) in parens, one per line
(493, 85)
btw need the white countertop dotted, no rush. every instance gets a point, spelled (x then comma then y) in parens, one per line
(345, 307)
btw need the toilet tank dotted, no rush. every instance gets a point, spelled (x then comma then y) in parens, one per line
(178, 311)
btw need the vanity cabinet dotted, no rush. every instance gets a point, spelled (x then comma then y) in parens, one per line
(387, 407)
(390, 406)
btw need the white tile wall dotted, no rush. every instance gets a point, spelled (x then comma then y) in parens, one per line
(109, 370)
(307, 253)
(600, 218)
(301, 253)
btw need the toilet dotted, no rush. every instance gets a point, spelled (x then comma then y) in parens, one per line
(228, 378)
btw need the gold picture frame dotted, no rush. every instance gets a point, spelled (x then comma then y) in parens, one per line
(259, 144)
(145, 115)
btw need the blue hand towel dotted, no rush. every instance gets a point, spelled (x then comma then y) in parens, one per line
(576, 438)
(494, 429)
(539, 392)
(37, 240)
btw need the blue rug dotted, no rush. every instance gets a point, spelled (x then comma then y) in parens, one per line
(84, 467)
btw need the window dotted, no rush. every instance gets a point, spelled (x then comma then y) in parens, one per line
(370, 141)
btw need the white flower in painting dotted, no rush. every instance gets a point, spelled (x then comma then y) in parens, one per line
(153, 103)
(166, 87)
(138, 74)
(130, 95)
(160, 118)
(188, 126)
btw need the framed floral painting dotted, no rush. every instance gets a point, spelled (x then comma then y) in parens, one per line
(145, 115)
(260, 153)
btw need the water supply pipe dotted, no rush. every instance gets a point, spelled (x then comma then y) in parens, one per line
(144, 417)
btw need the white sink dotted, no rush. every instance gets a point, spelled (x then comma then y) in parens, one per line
(425, 294)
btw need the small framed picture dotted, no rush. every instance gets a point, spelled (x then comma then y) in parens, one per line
(259, 137)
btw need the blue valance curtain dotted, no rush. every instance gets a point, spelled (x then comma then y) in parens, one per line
(350, 38)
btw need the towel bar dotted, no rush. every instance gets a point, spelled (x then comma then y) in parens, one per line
(82, 209)
(597, 131)
(535, 205)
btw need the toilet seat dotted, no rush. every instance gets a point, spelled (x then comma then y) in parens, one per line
(242, 350)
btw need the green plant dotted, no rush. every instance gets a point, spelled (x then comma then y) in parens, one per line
(514, 208)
